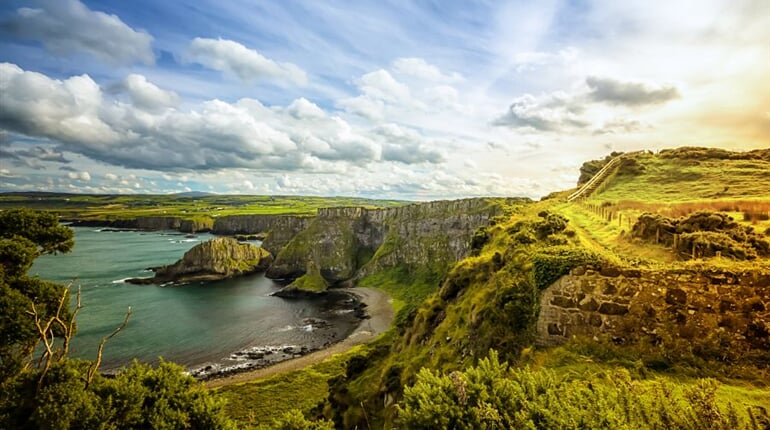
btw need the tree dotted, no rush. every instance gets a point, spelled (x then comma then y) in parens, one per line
(24, 236)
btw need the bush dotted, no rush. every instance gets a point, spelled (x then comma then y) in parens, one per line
(138, 397)
(492, 396)
(551, 264)
(703, 234)
(553, 223)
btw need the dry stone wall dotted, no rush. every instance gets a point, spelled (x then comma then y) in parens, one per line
(628, 305)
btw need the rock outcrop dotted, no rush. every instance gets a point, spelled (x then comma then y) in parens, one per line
(216, 259)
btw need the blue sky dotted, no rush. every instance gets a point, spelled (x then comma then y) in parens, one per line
(411, 100)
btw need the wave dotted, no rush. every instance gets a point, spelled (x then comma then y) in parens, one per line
(120, 281)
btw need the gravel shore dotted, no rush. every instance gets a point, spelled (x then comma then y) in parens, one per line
(379, 308)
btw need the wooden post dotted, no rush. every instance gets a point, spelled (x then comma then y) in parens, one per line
(693, 250)
(676, 242)
(719, 254)
(657, 235)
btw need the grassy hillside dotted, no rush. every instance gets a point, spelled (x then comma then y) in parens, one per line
(490, 301)
(690, 175)
(111, 207)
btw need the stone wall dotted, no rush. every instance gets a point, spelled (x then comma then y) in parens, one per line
(627, 305)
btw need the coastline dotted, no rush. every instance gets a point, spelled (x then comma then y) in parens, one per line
(379, 310)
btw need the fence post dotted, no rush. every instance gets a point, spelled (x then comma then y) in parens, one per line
(657, 235)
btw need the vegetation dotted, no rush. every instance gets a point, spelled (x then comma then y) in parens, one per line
(703, 234)
(24, 236)
(491, 395)
(692, 174)
(196, 208)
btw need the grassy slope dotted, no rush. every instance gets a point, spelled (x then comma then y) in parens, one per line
(138, 205)
(451, 334)
(677, 179)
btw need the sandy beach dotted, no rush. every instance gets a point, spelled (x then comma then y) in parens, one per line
(379, 308)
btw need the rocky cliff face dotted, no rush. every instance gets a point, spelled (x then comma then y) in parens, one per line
(279, 228)
(216, 259)
(346, 243)
(630, 305)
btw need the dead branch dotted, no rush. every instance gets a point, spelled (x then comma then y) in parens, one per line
(94, 367)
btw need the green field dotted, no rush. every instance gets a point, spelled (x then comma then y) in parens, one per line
(110, 207)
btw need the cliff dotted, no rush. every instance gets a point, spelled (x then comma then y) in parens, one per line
(279, 229)
(216, 259)
(152, 223)
(349, 243)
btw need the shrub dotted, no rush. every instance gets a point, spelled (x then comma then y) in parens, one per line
(703, 234)
(553, 223)
(551, 264)
(492, 396)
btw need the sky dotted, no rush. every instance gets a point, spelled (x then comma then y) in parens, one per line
(412, 100)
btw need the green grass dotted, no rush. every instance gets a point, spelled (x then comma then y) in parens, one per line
(259, 402)
(684, 180)
(100, 207)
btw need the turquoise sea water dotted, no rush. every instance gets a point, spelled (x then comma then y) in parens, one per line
(193, 324)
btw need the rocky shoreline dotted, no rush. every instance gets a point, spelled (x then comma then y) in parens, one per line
(254, 358)
(378, 309)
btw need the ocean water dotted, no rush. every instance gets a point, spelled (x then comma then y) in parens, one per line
(194, 325)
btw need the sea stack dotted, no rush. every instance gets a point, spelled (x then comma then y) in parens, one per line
(216, 259)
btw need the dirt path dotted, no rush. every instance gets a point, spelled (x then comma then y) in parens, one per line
(380, 310)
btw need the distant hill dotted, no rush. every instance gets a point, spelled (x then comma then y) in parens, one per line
(194, 194)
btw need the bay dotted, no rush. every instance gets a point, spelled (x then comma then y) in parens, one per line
(194, 325)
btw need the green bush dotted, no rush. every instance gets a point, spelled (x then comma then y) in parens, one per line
(492, 396)
(138, 397)
(551, 264)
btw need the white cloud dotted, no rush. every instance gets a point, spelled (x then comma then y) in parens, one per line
(5, 173)
(380, 85)
(80, 176)
(110, 176)
(146, 95)
(209, 136)
(36, 105)
(67, 27)
(419, 68)
(302, 108)
(406, 146)
(247, 64)
(364, 106)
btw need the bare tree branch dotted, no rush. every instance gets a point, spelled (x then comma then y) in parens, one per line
(94, 367)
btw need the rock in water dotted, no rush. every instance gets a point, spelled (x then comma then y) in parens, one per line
(219, 258)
